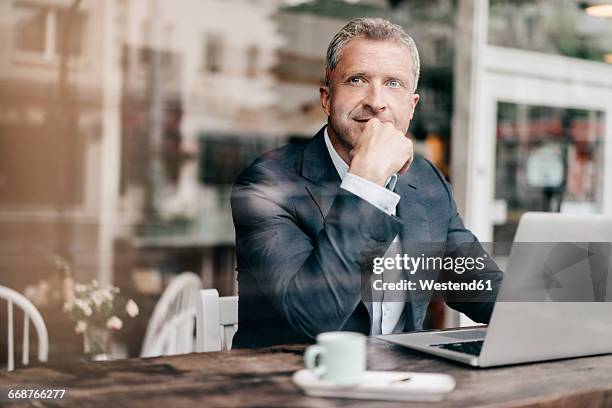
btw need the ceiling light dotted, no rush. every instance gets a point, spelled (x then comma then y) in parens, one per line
(600, 10)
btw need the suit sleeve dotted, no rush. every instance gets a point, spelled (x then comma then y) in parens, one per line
(314, 282)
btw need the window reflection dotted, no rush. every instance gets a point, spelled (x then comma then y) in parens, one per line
(48, 30)
(549, 26)
(30, 28)
(547, 159)
(174, 99)
(213, 53)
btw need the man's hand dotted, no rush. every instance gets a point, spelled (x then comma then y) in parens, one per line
(380, 152)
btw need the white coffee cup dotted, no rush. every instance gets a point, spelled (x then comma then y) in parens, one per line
(339, 357)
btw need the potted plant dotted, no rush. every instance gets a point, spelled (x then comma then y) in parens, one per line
(95, 310)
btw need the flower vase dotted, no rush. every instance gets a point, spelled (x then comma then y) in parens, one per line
(97, 343)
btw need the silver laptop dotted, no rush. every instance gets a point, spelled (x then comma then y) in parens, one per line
(549, 328)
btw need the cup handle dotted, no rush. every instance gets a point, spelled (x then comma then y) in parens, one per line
(310, 359)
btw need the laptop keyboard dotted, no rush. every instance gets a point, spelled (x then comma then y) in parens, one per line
(468, 347)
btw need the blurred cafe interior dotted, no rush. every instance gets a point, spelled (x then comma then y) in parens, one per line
(123, 124)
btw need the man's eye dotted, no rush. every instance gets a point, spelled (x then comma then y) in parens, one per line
(394, 83)
(355, 80)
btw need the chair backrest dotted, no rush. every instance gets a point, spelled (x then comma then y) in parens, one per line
(217, 321)
(176, 336)
(169, 320)
(30, 313)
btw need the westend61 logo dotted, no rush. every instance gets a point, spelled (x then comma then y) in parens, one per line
(535, 272)
(391, 269)
(414, 264)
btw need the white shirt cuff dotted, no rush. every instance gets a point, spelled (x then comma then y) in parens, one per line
(380, 197)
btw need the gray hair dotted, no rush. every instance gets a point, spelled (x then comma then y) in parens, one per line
(371, 29)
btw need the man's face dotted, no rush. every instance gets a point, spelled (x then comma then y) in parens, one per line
(372, 80)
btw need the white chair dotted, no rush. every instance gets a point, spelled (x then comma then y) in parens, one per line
(30, 313)
(217, 321)
(176, 336)
(171, 328)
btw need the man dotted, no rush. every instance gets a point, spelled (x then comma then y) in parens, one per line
(310, 217)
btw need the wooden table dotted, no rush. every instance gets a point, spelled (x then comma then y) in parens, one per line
(262, 378)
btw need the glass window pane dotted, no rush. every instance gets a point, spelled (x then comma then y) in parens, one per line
(547, 159)
(213, 53)
(560, 27)
(30, 27)
(70, 31)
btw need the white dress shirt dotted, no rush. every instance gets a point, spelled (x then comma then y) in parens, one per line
(386, 315)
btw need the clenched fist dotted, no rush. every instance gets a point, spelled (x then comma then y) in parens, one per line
(380, 152)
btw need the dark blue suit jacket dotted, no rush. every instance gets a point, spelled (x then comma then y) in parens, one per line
(302, 243)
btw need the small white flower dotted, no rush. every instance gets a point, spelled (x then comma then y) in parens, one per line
(81, 326)
(84, 306)
(131, 308)
(97, 297)
(114, 323)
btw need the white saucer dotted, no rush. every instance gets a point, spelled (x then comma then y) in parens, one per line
(380, 385)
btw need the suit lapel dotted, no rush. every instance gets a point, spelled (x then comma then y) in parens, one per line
(415, 230)
(411, 210)
(318, 168)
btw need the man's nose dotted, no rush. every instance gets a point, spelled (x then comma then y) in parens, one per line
(374, 99)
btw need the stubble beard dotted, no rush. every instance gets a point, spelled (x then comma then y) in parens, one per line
(344, 136)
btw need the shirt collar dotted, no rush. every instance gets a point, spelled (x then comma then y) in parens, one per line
(342, 168)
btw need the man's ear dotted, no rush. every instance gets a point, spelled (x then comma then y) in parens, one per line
(324, 95)
(414, 99)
